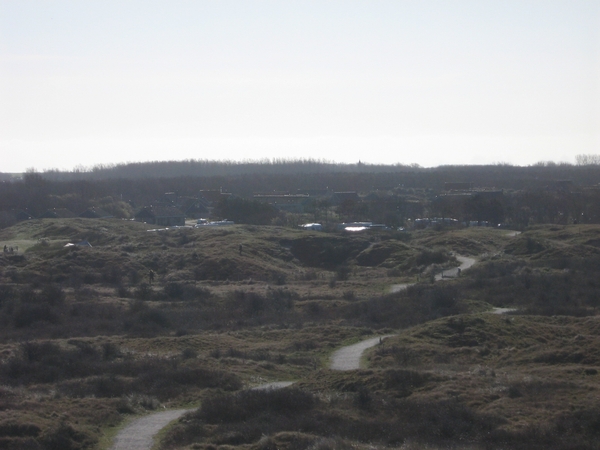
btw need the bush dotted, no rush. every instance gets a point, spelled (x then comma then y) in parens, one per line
(26, 315)
(342, 273)
(403, 382)
(180, 291)
(123, 292)
(188, 353)
(7, 293)
(417, 304)
(52, 294)
(174, 290)
(428, 257)
(363, 398)
(15, 429)
(46, 362)
(65, 437)
(143, 292)
(251, 404)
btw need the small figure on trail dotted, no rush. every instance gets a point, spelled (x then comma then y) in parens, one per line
(10, 250)
(458, 272)
(5, 249)
(241, 248)
(151, 276)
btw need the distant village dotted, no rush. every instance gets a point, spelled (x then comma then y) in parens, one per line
(458, 204)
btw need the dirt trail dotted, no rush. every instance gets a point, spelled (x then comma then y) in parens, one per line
(348, 358)
(465, 263)
(502, 310)
(272, 386)
(139, 434)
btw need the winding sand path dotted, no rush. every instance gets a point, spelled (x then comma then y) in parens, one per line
(348, 358)
(465, 263)
(139, 434)
(272, 386)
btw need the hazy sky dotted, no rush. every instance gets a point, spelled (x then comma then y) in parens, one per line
(403, 81)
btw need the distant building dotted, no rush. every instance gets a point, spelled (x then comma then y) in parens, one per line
(192, 207)
(162, 215)
(312, 226)
(210, 198)
(23, 215)
(285, 202)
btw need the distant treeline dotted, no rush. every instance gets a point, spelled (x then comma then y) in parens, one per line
(283, 174)
(121, 189)
(496, 175)
(206, 168)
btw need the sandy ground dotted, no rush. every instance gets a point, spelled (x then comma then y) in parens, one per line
(348, 358)
(139, 434)
(274, 385)
(502, 310)
(465, 263)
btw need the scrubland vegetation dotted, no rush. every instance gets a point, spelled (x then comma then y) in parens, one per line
(89, 339)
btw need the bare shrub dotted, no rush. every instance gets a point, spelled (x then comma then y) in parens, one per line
(403, 382)
(143, 292)
(65, 437)
(428, 257)
(417, 304)
(363, 398)
(189, 353)
(349, 295)
(16, 429)
(28, 314)
(331, 443)
(248, 404)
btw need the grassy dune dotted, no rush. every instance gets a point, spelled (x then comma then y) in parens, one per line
(89, 340)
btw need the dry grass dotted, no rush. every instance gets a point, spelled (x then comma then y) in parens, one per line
(278, 310)
(528, 370)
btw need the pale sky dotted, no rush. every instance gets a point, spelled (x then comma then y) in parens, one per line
(403, 81)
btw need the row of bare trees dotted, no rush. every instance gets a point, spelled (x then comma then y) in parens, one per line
(530, 193)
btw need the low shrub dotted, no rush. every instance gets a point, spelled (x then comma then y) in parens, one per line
(253, 403)
(403, 382)
(65, 437)
(428, 257)
(16, 429)
(417, 304)
(28, 314)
